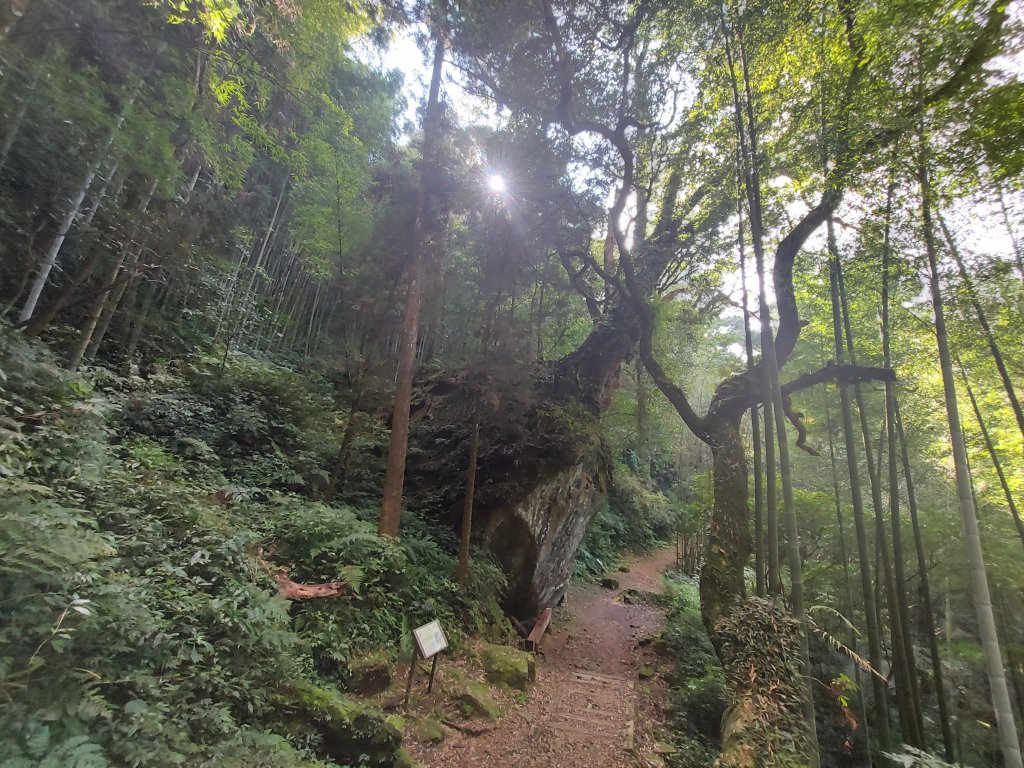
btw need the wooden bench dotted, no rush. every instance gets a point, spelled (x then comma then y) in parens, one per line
(533, 639)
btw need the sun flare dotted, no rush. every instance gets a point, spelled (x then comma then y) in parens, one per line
(496, 183)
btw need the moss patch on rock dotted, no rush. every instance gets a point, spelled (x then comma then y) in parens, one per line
(508, 666)
(404, 759)
(475, 698)
(349, 731)
(428, 729)
(370, 674)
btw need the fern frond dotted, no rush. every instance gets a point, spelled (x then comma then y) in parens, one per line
(844, 649)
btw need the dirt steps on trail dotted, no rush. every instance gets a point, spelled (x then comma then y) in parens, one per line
(588, 708)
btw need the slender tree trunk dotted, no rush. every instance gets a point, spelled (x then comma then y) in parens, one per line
(14, 127)
(906, 677)
(926, 596)
(996, 463)
(340, 471)
(462, 571)
(398, 444)
(847, 580)
(110, 307)
(74, 205)
(990, 339)
(1018, 257)
(980, 595)
(1013, 660)
(770, 364)
(863, 557)
(893, 475)
(139, 321)
(643, 454)
(41, 320)
(98, 320)
(760, 581)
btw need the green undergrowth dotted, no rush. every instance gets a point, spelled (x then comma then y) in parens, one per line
(634, 519)
(698, 689)
(142, 522)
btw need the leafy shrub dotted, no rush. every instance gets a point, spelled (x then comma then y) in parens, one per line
(394, 584)
(698, 695)
(139, 620)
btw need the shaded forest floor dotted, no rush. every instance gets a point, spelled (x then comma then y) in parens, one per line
(599, 699)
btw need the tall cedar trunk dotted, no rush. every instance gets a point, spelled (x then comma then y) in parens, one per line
(746, 130)
(980, 595)
(462, 570)
(748, 178)
(770, 364)
(74, 206)
(93, 333)
(906, 683)
(14, 127)
(138, 323)
(40, 320)
(98, 319)
(68, 292)
(925, 590)
(394, 477)
(863, 558)
(1012, 657)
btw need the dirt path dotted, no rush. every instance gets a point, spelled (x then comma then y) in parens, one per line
(589, 708)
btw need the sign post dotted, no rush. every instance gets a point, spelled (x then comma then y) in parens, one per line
(430, 641)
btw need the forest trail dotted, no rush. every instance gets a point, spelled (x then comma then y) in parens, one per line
(589, 708)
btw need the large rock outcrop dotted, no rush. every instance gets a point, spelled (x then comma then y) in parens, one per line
(542, 473)
(535, 537)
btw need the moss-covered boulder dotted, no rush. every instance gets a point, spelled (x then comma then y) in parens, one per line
(404, 759)
(508, 666)
(473, 698)
(347, 729)
(428, 729)
(370, 674)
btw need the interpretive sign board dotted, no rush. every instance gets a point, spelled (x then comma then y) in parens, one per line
(430, 639)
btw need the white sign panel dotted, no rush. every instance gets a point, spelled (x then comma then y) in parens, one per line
(430, 639)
